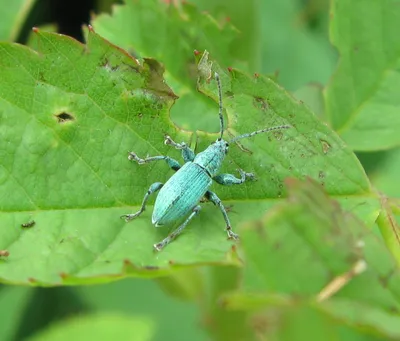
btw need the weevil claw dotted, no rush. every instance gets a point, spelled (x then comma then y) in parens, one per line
(231, 234)
(250, 176)
(132, 156)
(167, 140)
(245, 175)
(158, 247)
(129, 217)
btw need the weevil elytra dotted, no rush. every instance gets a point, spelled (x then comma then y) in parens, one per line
(180, 196)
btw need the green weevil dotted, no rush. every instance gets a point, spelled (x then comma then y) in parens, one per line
(181, 194)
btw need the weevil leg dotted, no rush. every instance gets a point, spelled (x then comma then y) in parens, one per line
(229, 179)
(159, 246)
(187, 153)
(217, 201)
(172, 163)
(152, 189)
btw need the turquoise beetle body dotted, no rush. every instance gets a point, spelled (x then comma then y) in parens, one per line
(179, 197)
(181, 193)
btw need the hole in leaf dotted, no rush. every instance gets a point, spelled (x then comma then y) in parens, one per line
(64, 117)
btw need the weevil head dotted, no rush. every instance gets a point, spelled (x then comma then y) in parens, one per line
(220, 147)
(211, 159)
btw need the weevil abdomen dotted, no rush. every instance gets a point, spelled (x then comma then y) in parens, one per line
(180, 194)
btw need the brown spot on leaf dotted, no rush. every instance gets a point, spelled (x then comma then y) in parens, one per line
(155, 81)
(4, 253)
(325, 146)
(127, 262)
(260, 103)
(41, 76)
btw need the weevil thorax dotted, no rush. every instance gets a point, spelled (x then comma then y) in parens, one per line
(211, 159)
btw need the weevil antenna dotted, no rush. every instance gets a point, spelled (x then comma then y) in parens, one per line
(221, 117)
(259, 132)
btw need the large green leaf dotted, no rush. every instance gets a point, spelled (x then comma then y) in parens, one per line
(65, 135)
(362, 99)
(309, 244)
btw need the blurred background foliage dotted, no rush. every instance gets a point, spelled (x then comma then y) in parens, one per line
(287, 39)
